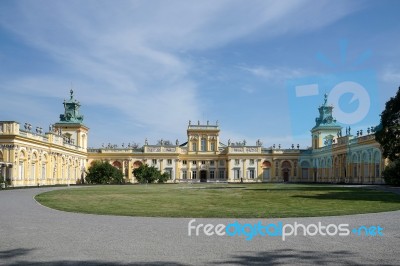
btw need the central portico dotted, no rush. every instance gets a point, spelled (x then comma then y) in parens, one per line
(203, 148)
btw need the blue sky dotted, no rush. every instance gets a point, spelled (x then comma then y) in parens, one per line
(143, 69)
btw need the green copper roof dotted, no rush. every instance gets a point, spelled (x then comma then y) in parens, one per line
(71, 111)
(325, 119)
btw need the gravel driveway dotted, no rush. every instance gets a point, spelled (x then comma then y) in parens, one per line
(36, 235)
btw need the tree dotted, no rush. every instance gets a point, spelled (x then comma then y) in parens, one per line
(388, 135)
(103, 173)
(391, 174)
(149, 174)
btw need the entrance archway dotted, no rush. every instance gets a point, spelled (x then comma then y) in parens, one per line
(285, 175)
(266, 170)
(203, 176)
(286, 167)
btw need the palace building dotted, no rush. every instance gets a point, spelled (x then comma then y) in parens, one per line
(31, 157)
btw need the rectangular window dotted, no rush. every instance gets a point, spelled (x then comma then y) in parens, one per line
(194, 174)
(169, 172)
(203, 144)
(236, 173)
(211, 174)
(212, 146)
(194, 162)
(194, 146)
(43, 171)
(251, 161)
(212, 163)
(221, 174)
(251, 173)
(236, 161)
(221, 162)
(184, 174)
(184, 162)
(154, 161)
(203, 162)
(377, 170)
(33, 171)
(169, 161)
(21, 171)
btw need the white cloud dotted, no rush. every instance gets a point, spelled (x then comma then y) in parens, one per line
(275, 74)
(126, 55)
(391, 75)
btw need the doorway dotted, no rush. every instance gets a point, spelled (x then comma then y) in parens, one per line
(203, 176)
(285, 175)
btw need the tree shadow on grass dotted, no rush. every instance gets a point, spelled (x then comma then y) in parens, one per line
(10, 257)
(308, 188)
(94, 263)
(353, 196)
(12, 253)
(296, 257)
(274, 257)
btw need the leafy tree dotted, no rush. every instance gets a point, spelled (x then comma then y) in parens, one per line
(149, 174)
(104, 173)
(388, 135)
(391, 174)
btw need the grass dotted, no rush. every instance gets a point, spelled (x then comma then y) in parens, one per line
(222, 200)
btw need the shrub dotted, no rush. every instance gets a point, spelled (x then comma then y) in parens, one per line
(104, 173)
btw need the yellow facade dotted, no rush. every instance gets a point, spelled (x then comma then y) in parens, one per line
(60, 156)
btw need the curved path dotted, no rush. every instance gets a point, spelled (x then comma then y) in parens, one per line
(36, 235)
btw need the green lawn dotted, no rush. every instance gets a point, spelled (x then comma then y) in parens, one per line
(221, 200)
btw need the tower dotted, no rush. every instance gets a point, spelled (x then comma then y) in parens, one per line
(203, 139)
(71, 125)
(326, 127)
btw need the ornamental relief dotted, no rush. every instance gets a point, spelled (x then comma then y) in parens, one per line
(251, 149)
(169, 149)
(155, 149)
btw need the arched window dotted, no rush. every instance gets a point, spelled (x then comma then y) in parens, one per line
(329, 166)
(137, 164)
(355, 165)
(365, 161)
(323, 168)
(21, 165)
(44, 165)
(266, 170)
(305, 165)
(377, 164)
(117, 164)
(34, 162)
